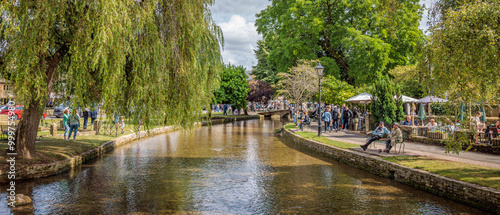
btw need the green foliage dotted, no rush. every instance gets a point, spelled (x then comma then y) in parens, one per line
(264, 71)
(158, 58)
(464, 52)
(385, 107)
(410, 80)
(361, 38)
(335, 91)
(300, 83)
(233, 86)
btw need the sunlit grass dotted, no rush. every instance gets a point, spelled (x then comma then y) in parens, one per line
(289, 126)
(314, 136)
(484, 176)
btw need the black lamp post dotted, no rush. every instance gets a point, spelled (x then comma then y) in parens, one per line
(319, 70)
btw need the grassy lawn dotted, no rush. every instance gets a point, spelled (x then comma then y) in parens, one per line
(290, 126)
(314, 136)
(55, 149)
(484, 176)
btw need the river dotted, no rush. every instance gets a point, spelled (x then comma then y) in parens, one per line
(238, 168)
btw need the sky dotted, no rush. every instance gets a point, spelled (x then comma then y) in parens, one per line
(237, 21)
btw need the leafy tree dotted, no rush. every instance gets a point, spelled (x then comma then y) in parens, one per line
(234, 86)
(464, 52)
(335, 91)
(362, 37)
(385, 107)
(159, 58)
(264, 71)
(260, 91)
(300, 83)
(410, 79)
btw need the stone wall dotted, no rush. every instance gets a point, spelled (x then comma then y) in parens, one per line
(477, 196)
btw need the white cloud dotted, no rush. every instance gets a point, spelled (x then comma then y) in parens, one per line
(237, 21)
(240, 38)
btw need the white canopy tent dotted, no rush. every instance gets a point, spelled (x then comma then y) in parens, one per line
(432, 99)
(364, 98)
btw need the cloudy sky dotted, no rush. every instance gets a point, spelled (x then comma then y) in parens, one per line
(237, 20)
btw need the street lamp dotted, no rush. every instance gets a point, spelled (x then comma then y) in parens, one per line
(319, 70)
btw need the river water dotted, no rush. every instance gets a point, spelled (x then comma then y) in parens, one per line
(239, 168)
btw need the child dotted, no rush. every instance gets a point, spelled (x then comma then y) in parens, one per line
(122, 121)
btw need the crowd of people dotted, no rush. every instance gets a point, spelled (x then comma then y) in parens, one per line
(333, 117)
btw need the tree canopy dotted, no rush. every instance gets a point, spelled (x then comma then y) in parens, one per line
(260, 91)
(464, 52)
(158, 58)
(300, 83)
(359, 38)
(233, 86)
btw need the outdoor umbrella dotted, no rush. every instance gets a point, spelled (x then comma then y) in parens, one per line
(361, 98)
(407, 99)
(461, 113)
(431, 99)
(483, 114)
(421, 113)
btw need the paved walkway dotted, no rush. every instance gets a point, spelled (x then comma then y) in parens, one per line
(412, 149)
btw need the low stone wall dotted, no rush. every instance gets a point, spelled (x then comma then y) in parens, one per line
(477, 196)
(44, 170)
(228, 120)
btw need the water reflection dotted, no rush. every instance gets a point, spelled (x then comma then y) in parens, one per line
(239, 168)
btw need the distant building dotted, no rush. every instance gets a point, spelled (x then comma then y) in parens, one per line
(5, 91)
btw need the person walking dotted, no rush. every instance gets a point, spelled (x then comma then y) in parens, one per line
(65, 122)
(74, 123)
(85, 118)
(335, 118)
(327, 118)
(347, 115)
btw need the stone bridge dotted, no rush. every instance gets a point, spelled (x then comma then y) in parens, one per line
(281, 113)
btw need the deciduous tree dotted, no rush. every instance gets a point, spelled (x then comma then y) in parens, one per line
(159, 58)
(362, 37)
(260, 91)
(233, 86)
(300, 83)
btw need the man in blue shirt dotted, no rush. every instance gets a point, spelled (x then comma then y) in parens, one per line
(408, 121)
(376, 134)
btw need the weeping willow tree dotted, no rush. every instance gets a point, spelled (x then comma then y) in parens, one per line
(157, 60)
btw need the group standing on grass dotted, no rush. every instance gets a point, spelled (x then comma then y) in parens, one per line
(71, 123)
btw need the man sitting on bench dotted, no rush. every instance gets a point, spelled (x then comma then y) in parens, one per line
(376, 134)
(395, 137)
(305, 121)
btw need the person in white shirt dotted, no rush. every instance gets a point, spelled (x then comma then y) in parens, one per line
(432, 125)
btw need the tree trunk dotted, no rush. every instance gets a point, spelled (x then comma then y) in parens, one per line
(28, 125)
(27, 130)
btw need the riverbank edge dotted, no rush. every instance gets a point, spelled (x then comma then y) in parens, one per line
(484, 198)
(50, 169)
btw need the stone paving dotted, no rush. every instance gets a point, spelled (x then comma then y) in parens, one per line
(411, 149)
